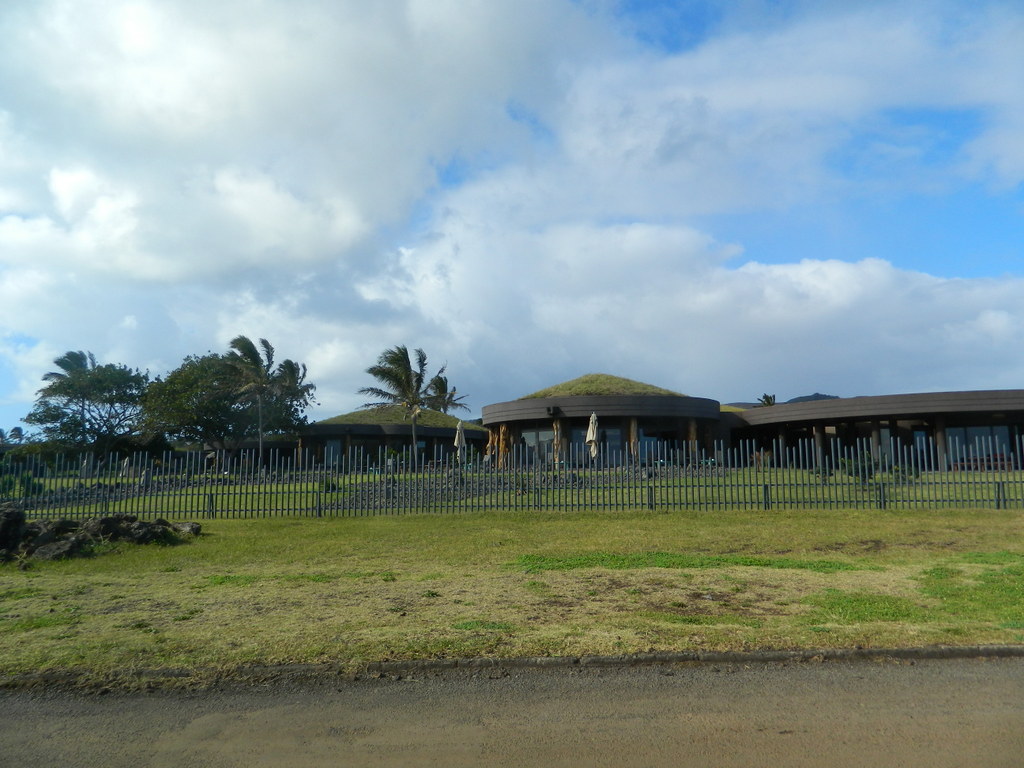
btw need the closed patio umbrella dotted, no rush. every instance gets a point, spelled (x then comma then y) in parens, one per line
(460, 443)
(592, 435)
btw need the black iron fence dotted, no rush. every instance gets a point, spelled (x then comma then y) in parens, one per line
(804, 476)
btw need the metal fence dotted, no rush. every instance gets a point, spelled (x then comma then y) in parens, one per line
(804, 476)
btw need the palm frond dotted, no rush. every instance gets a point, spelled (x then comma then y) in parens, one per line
(71, 362)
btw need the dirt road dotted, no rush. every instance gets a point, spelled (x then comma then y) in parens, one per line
(930, 713)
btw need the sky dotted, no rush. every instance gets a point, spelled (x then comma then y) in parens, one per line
(723, 199)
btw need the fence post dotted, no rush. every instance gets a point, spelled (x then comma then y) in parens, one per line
(650, 497)
(999, 495)
(881, 495)
(211, 509)
(766, 492)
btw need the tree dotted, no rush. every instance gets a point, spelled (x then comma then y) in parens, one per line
(292, 395)
(198, 402)
(13, 436)
(766, 400)
(402, 383)
(440, 398)
(281, 395)
(87, 405)
(71, 363)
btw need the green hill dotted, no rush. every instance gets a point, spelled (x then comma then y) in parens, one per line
(600, 384)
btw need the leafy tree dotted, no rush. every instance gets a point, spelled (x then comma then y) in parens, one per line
(442, 399)
(404, 383)
(198, 402)
(87, 405)
(281, 395)
(766, 400)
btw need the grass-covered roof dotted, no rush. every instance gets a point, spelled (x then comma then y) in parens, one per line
(395, 414)
(593, 384)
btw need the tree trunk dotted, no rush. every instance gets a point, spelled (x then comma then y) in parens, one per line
(415, 445)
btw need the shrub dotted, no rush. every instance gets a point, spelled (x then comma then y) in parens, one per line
(862, 467)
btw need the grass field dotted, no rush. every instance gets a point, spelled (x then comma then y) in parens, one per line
(357, 590)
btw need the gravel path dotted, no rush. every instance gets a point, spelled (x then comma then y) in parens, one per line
(926, 713)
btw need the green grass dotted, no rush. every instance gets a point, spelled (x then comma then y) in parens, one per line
(837, 607)
(601, 384)
(351, 591)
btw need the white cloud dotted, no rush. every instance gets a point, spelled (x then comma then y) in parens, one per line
(274, 222)
(175, 173)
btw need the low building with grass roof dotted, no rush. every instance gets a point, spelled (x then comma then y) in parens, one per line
(551, 424)
(372, 432)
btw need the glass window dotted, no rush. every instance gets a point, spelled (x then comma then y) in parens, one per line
(1001, 437)
(332, 451)
(611, 438)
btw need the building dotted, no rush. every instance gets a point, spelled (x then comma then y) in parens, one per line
(989, 422)
(550, 424)
(633, 416)
(371, 431)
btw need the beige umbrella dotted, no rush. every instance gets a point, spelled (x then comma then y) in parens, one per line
(460, 443)
(592, 435)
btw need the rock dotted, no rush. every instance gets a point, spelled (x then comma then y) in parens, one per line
(37, 536)
(114, 527)
(33, 529)
(58, 539)
(63, 526)
(12, 526)
(141, 532)
(69, 546)
(103, 527)
(189, 529)
(40, 533)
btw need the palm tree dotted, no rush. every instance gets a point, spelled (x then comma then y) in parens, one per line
(291, 381)
(402, 383)
(72, 364)
(255, 376)
(441, 398)
(261, 383)
(766, 400)
(13, 436)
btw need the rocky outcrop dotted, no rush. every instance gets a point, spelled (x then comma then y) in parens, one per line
(12, 527)
(62, 538)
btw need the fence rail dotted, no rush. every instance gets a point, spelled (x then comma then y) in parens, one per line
(205, 485)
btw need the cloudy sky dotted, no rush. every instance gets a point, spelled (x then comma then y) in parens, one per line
(724, 199)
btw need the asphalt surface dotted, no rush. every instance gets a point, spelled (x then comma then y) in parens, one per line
(949, 712)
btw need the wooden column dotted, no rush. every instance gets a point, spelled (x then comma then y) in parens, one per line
(819, 443)
(939, 429)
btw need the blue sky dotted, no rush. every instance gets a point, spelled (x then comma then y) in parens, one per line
(724, 199)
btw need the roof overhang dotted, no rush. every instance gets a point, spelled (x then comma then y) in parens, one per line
(888, 407)
(639, 406)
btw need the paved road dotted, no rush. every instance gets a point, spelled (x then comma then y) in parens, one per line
(929, 714)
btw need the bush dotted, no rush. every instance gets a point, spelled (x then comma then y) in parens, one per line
(862, 467)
